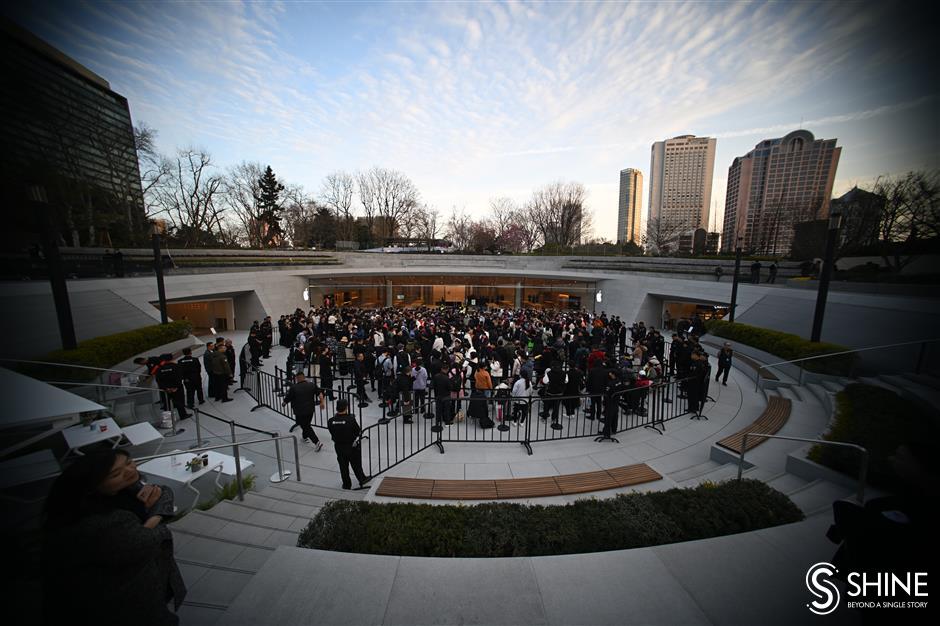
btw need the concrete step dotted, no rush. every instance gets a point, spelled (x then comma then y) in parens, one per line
(722, 473)
(199, 614)
(240, 533)
(878, 382)
(819, 392)
(694, 471)
(833, 386)
(931, 382)
(787, 483)
(928, 396)
(788, 393)
(317, 490)
(278, 505)
(233, 511)
(274, 491)
(817, 496)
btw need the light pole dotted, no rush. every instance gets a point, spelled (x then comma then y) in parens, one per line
(50, 248)
(835, 223)
(734, 281)
(157, 228)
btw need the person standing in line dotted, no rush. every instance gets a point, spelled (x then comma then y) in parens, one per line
(303, 398)
(718, 273)
(442, 403)
(219, 373)
(772, 276)
(755, 272)
(207, 359)
(244, 365)
(170, 380)
(420, 387)
(345, 432)
(724, 363)
(192, 377)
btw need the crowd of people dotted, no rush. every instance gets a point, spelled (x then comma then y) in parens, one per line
(426, 360)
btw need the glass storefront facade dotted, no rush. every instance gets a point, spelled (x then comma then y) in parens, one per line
(487, 291)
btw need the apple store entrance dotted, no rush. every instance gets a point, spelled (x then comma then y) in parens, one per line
(485, 291)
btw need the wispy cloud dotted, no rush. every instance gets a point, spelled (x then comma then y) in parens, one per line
(474, 99)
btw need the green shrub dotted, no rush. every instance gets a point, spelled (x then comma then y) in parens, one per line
(228, 491)
(508, 529)
(879, 420)
(106, 351)
(786, 346)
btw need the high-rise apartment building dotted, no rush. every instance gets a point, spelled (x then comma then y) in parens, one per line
(630, 205)
(779, 183)
(681, 171)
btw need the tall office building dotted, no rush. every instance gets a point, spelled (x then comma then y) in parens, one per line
(779, 183)
(66, 130)
(681, 171)
(630, 205)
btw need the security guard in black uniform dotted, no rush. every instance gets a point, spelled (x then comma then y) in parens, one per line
(192, 377)
(170, 379)
(345, 432)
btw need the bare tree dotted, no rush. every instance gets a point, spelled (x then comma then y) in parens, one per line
(337, 193)
(459, 229)
(424, 223)
(189, 198)
(154, 167)
(387, 197)
(559, 213)
(300, 214)
(911, 213)
(662, 234)
(241, 191)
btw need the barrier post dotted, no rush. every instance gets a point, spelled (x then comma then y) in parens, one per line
(281, 474)
(199, 442)
(257, 391)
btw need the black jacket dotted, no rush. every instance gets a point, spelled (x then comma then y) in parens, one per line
(191, 369)
(343, 428)
(303, 397)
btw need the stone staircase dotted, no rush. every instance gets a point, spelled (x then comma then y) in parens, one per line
(220, 550)
(809, 418)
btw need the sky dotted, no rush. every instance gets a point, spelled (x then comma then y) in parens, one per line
(475, 100)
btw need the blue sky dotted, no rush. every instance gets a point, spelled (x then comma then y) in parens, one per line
(477, 100)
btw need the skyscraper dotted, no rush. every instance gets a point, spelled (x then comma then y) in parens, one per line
(630, 206)
(66, 130)
(779, 183)
(681, 171)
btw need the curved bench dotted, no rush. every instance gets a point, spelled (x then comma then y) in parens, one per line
(770, 421)
(507, 488)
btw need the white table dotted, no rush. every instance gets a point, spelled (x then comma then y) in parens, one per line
(227, 461)
(79, 436)
(139, 434)
(163, 468)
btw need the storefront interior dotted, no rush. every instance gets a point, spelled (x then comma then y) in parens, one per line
(484, 291)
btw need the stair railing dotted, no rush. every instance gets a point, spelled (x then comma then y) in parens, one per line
(235, 445)
(921, 357)
(863, 468)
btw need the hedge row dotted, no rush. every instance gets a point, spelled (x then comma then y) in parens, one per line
(587, 525)
(107, 351)
(786, 346)
(879, 420)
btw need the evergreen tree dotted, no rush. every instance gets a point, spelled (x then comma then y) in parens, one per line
(269, 192)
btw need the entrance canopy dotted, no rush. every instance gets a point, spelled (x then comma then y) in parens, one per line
(30, 402)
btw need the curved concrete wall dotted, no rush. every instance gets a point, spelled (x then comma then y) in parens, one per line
(104, 306)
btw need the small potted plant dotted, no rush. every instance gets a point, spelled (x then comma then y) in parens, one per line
(194, 465)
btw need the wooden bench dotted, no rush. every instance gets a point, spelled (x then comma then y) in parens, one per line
(508, 488)
(770, 421)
